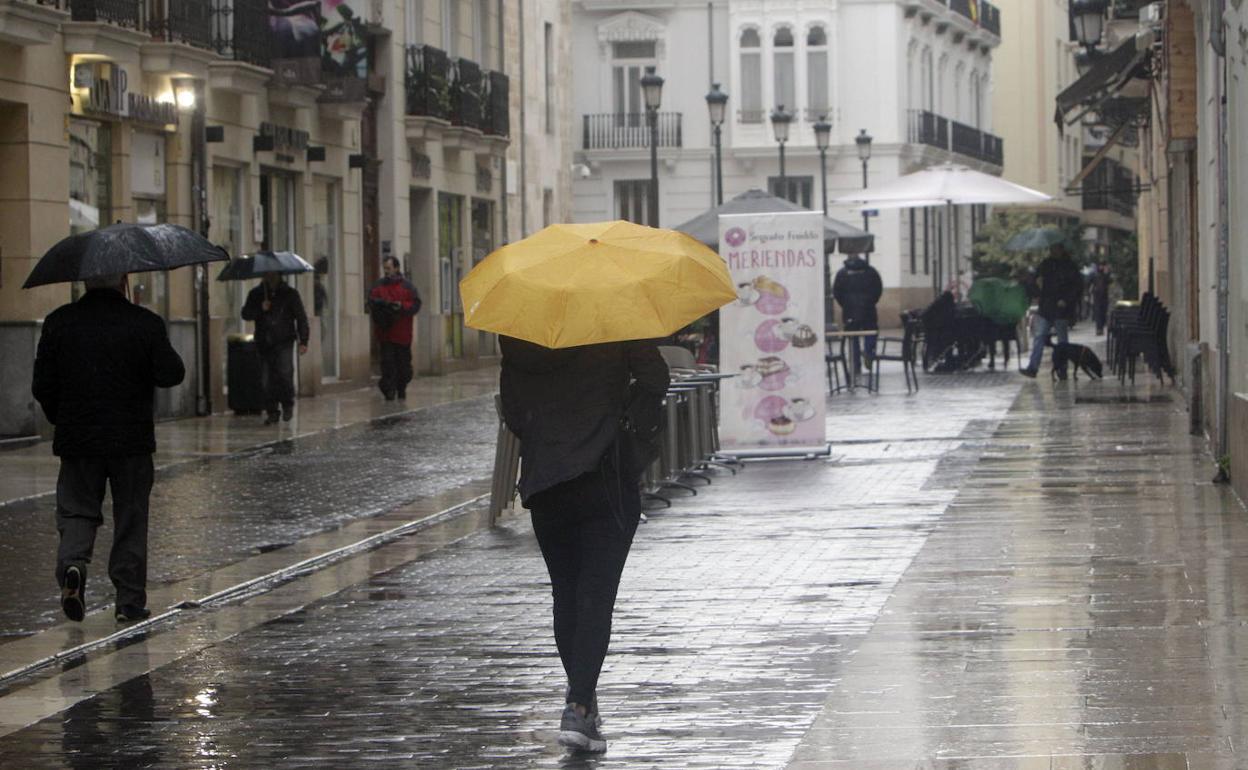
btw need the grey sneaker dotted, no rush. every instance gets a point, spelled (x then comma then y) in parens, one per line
(578, 732)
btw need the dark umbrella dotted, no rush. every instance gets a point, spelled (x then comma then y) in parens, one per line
(836, 234)
(122, 248)
(255, 265)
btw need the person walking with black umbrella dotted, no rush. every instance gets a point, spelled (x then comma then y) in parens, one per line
(280, 321)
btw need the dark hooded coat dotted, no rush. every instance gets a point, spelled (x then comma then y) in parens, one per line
(857, 288)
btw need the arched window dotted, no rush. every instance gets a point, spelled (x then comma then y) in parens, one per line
(751, 76)
(961, 104)
(785, 78)
(976, 101)
(817, 101)
(929, 81)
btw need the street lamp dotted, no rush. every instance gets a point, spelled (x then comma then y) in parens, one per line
(1089, 20)
(863, 140)
(716, 101)
(780, 121)
(823, 136)
(652, 90)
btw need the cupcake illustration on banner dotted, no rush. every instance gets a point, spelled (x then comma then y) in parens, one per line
(773, 298)
(769, 336)
(770, 411)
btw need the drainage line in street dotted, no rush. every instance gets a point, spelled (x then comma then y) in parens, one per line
(248, 588)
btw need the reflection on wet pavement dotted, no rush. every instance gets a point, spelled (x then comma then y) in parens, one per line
(994, 574)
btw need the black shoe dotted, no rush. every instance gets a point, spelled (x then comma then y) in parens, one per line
(73, 594)
(578, 732)
(271, 418)
(1028, 372)
(128, 613)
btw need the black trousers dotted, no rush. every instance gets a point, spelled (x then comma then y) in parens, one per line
(396, 368)
(277, 377)
(585, 546)
(79, 512)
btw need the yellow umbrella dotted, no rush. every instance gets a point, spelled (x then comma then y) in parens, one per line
(570, 285)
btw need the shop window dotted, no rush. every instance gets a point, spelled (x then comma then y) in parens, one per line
(90, 178)
(798, 189)
(327, 259)
(632, 201)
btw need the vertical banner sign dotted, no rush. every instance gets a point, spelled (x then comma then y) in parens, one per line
(771, 337)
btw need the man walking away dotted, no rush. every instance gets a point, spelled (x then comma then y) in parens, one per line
(857, 288)
(1060, 286)
(393, 302)
(98, 363)
(280, 320)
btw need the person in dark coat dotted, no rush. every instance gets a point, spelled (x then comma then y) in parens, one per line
(1060, 285)
(1101, 280)
(280, 321)
(97, 366)
(566, 406)
(857, 288)
(393, 302)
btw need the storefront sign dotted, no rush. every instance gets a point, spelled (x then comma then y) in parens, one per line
(285, 139)
(108, 93)
(772, 336)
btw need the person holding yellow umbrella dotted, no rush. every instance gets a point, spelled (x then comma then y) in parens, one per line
(578, 308)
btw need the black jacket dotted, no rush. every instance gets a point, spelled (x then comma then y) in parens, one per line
(857, 288)
(285, 321)
(565, 405)
(1061, 287)
(99, 362)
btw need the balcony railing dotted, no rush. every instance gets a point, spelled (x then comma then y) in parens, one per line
(752, 116)
(994, 150)
(622, 130)
(990, 17)
(428, 82)
(963, 7)
(180, 21)
(1110, 187)
(929, 128)
(965, 139)
(467, 92)
(496, 120)
(240, 31)
(123, 13)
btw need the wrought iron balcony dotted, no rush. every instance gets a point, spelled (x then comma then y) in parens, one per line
(467, 94)
(1110, 187)
(123, 13)
(428, 82)
(929, 128)
(240, 31)
(990, 17)
(994, 150)
(496, 120)
(179, 21)
(626, 130)
(965, 139)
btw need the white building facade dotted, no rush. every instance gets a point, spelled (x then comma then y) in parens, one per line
(916, 75)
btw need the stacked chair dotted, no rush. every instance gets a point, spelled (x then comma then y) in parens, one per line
(1139, 331)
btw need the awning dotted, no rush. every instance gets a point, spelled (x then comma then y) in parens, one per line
(1106, 78)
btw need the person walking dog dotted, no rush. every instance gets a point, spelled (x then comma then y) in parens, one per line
(97, 366)
(582, 413)
(1060, 289)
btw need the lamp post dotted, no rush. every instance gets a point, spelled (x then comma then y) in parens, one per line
(823, 137)
(863, 140)
(716, 101)
(652, 89)
(780, 121)
(1088, 20)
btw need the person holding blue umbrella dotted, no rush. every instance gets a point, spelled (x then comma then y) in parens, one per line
(281, 321)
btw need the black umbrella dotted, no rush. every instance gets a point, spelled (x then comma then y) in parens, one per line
(122, 248)
(836, 234)
(255, 265)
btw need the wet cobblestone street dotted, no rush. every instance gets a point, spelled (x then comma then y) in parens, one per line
(995, 573)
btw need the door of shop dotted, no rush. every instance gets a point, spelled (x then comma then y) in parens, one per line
(450, 271)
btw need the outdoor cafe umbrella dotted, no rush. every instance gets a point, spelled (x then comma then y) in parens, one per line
(836, 234)
(946, 185)
(256, 265)
(122, 248)
(580, 284)
(1035, 239)
(1000, 300)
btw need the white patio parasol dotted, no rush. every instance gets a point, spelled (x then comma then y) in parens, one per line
(945, 185)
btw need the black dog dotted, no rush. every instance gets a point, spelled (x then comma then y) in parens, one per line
(1076, 357)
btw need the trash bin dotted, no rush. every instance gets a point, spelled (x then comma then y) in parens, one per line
(246, 396)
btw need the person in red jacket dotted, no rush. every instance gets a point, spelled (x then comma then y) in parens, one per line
(393, 302)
